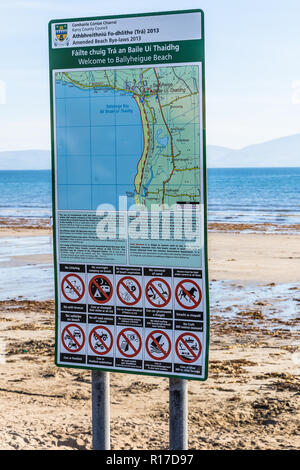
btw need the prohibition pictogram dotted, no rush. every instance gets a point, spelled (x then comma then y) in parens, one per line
(129, 290)
(100, 340)
(188, 294)
(158, 292)
(100, 289)
(72, 287)
(158, 345)
(129, 342)
(73, 338)
(188, 347)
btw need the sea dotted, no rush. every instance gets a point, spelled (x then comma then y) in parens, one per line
(254, 195)
(235, 195)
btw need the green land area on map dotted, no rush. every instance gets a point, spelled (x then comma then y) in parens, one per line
(167, 171)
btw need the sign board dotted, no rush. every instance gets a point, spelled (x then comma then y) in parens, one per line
(129, 193)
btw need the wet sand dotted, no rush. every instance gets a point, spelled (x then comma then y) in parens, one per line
(250, 401)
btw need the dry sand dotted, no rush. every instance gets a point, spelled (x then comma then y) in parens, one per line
(250, 401)
(257, 257)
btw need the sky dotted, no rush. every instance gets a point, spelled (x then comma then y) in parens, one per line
(252, 66)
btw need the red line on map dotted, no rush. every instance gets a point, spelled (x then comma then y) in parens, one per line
(171, 142)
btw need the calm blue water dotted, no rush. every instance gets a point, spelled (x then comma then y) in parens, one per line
(234, 195)
(25, 194)
(255, 195)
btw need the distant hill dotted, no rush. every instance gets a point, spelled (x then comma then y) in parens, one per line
(25, 160)
(283, 152)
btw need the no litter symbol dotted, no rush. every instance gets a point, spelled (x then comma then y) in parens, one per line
(158, 345)
(73, 338)
(100, 289)
(158, 292)
(100, 340)
(72, 287)
(188, 294)
(188, 347)
(129, 342)
(129, 290)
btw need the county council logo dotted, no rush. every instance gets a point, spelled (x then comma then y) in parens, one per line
(61, 35)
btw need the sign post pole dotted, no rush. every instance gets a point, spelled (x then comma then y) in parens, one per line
(178, 406)
(100, 410)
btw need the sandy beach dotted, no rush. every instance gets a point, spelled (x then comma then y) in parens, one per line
(250, 401)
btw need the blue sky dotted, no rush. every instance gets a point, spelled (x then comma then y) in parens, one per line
(253, 62)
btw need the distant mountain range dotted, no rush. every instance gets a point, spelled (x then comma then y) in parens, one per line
(25, 160)
(284, 152)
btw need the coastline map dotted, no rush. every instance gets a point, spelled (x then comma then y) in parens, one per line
(128, 132)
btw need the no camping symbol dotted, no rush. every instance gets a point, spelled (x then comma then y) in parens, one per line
(72, 287)
(158, 292)
(129, 290)
(188, 294)
(100, 340)
(129, 342)
(158, 345)
(100, 289)
(188, 347)
(73, 338)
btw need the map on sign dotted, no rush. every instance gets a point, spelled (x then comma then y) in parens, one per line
(128, 132)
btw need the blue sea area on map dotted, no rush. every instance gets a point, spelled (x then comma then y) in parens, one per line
(100, 141)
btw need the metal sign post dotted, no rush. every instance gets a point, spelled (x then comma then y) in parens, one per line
(178, 410)
(100, 410)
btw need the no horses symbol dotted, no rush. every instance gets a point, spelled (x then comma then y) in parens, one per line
(188, 294)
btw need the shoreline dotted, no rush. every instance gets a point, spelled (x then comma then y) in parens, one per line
(257, 257)
(15, 225)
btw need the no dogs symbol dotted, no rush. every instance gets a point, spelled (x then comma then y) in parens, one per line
(100, 289)
(188, 294)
